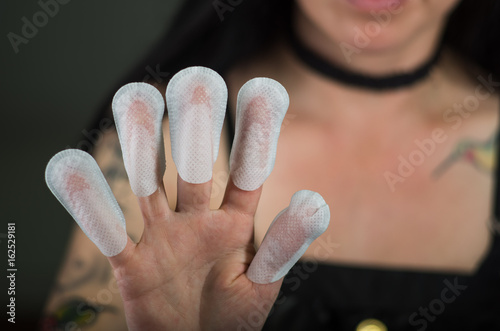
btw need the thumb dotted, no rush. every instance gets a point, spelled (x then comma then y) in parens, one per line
(289, 236)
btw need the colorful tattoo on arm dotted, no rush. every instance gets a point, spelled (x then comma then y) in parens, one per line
(73, 314)
(479, 154)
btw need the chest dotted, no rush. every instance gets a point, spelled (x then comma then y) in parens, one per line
(394, 198)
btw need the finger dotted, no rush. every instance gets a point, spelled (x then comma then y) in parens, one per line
(261, 107)
(196, 103)
(289, 236)
(75, 179)
(138, 111)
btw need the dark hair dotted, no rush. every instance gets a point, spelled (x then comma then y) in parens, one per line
(473, 31)
(219, 33)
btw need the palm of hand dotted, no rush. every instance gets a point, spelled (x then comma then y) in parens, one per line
(188, 271)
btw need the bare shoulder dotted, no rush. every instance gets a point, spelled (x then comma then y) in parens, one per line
(473, 105)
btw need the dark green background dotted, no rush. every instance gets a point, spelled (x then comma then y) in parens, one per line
(49, 92)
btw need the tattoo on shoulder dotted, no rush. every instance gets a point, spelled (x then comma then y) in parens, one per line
(479, 154)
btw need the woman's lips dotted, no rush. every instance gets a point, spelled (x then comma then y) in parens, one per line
(367, 5)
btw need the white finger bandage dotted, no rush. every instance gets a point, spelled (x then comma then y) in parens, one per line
(289, 236)
(74, 178)
(196, 104)
(262, 105)
(138, 111)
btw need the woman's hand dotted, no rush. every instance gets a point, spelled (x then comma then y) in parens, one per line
(193, 268)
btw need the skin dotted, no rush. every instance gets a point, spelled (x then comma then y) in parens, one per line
(360, 128)
(336, 140)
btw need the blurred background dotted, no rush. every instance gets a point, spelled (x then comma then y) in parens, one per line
(53, 80)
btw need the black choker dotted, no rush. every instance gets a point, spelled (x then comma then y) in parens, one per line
(329, 69)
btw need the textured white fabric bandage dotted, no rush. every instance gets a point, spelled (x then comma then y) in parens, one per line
(196, 104)
(77, 182)
(289, 236)
(262, 105)
(138, 111)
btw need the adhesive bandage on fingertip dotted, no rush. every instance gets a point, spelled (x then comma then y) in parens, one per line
(289, 236)
(196, 103)
(75, 179)
(138, 111)
(261, 107)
